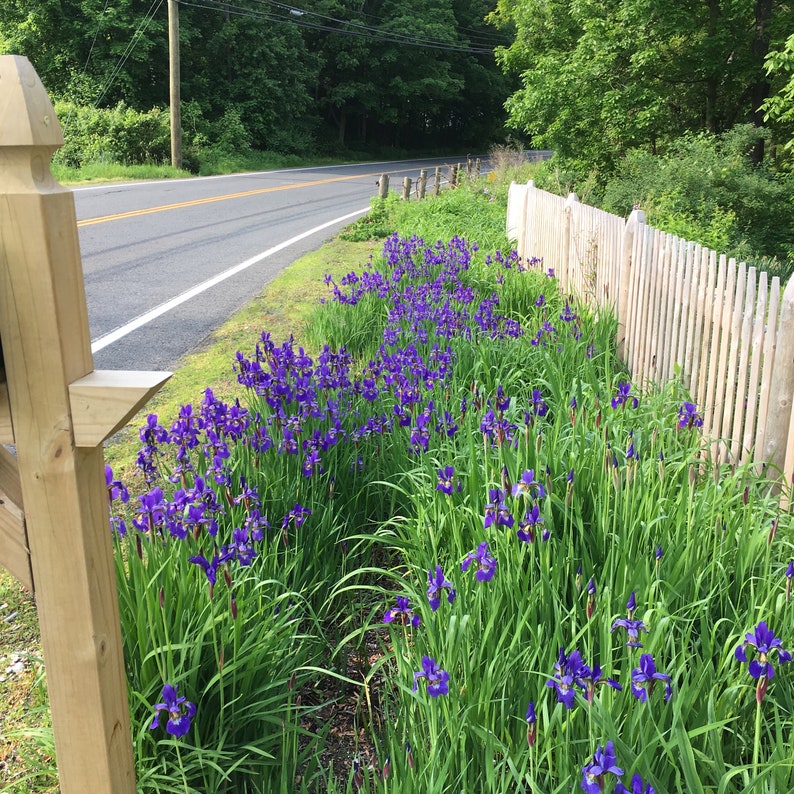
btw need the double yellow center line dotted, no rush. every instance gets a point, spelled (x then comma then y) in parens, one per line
(211, 199)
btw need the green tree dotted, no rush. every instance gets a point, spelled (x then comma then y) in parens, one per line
(599, 78)
(779, 107)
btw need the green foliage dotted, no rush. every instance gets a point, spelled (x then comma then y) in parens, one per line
(118, 135)
(705, 189)
(599, 79)
(377, 224)
(475, 211)
(333, 75)
(779, 106)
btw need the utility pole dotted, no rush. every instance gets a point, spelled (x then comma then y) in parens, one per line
(174, 81)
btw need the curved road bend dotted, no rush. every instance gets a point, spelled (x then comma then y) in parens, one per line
(167, 262)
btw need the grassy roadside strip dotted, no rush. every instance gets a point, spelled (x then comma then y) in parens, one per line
(282, 308)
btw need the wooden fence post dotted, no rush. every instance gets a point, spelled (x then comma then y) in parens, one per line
(421, 183)
(383, 186)
(633, 224)
(60, 412)
(564, 275)
(406, 188)
(779, 415)
(437, 181)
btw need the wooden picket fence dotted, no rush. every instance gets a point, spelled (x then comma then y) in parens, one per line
(683, 311)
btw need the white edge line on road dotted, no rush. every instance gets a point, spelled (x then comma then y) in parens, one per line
(114, 336)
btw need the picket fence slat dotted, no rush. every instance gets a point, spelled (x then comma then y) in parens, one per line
(756, 355)
(741, 393)
(684, 312)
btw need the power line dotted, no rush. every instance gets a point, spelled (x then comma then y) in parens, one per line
(140, 30)
(378, 30)
(294, 17)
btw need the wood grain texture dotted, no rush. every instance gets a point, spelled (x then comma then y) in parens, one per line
(46, 346)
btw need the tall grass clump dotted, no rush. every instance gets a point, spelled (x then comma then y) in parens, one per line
(546, 579)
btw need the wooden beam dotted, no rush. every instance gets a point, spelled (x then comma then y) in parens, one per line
(105, 400)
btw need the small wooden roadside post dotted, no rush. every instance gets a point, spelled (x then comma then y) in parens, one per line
(421, 184)
(383, 186)
(55, 536)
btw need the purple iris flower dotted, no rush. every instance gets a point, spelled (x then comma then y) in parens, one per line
(789, 577)
(589, 678)
(437, 584)
(633, 627)
(764, 641)
(529, 525)
(180, 712)
(240, 549)
(566, 677)
(539, 407)
(532, 724)
(210, 567)
(623, 396)
(636, 787)
(445, 482)
(116, 488)
(528, 486)
(437, 680)
(644, 677)
(402, 613)
(497, 511)
(604, 762)
(688, 416)
(486, 564)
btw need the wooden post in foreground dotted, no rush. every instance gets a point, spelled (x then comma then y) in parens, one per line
(57, 413)
(437, 180)
(406, 188)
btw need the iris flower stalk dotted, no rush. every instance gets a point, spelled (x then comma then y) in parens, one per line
(764, 641)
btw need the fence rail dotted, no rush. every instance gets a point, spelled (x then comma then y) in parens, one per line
(683, 311)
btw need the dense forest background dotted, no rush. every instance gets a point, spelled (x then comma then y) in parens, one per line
(685, 107)
(327, 75)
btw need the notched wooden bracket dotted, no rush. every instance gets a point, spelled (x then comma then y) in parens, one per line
(105, 400)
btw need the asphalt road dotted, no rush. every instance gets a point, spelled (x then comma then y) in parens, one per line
(166, 262)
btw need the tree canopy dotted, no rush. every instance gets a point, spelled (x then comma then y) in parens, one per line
(601, 77)
(413, 73)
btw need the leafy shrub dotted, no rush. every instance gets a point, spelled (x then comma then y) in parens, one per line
(118, 134)
(375, 225)
(705, 188)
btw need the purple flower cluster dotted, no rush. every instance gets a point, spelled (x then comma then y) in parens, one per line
(594, 774)
(572, 674)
